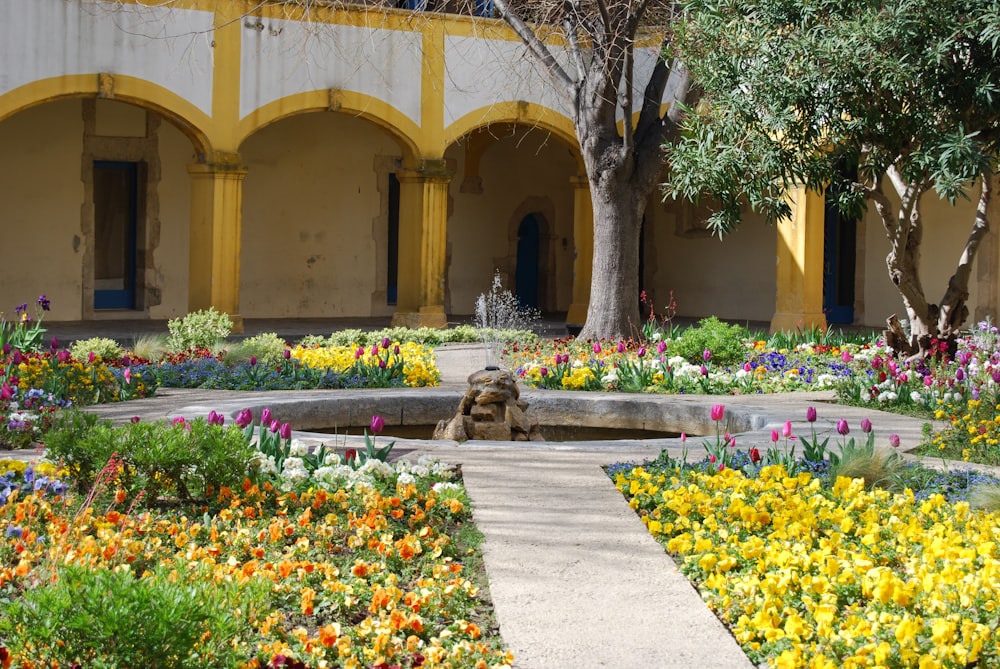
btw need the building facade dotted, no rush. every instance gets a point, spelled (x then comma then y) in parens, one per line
(164, 157)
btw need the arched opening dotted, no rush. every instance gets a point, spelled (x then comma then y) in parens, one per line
(528, 257)
(102, 186)
(320, 218)
(840, 235)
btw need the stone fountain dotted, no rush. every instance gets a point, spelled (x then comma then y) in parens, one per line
(491, 408)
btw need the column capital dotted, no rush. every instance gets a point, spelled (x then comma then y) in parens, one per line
(218, 161)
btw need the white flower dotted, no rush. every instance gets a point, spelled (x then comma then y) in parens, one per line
(331, 458)
(298, 447)
(405, 479)
(446, 486)
(917, 397)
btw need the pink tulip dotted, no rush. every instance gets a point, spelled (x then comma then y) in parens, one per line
(786, 430)
(811, 414)
(842, 427)
(866, 425)
(707, 355)
(894, 440)
(285, 431)
(265, 416)
(774, 436)
(377, 424)
(127, 375)
(597, 347)
(718, 410)
(661, 347)
(621, 347)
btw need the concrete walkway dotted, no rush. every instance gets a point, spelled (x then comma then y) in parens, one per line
(575, 578)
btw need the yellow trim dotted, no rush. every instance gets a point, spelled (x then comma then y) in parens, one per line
(519, 113)
(363, 106)
(799, 299)
(189, 119)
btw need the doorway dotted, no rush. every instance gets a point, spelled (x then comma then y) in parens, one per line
(839, 259)
(116, 222)
(528, 252)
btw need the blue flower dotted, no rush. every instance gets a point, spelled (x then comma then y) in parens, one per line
(14, 532)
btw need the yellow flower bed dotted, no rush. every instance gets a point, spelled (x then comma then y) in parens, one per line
(807, 576)
(419, 366)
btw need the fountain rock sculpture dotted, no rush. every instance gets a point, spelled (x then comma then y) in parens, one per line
(490, 409)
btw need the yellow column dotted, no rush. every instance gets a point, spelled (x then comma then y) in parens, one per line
(583, 259)
(799, 299)
(423, 237)
(216, 225)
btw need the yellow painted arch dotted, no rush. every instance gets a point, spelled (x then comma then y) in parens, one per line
(376, 111)
(519, 113)
(188, 118)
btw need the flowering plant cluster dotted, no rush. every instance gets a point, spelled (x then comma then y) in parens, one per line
(24, 333)
(634, 366)
(365, 575)
(808, 575)
(387, 362)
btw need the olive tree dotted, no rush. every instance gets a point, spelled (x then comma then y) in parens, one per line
(878, 101)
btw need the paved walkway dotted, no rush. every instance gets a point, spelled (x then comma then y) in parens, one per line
(575, 578)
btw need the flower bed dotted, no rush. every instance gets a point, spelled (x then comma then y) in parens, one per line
(367, 566)
(812, 576)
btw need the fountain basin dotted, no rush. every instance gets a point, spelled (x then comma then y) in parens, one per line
(315, 410)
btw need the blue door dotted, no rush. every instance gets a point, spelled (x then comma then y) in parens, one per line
(116, 214)
(526, 274)
(839, 254)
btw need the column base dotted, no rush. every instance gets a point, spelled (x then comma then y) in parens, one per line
(237, 321)
(793, 322)
(427, 317)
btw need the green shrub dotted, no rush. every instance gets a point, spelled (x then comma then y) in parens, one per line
(103, 618)
(268, 348)
(102, 347)
(200, 329)
(726, 342)
(163, 461)
(347, 337)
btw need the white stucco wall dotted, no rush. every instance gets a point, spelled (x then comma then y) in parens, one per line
(167, 46)
(288, 57)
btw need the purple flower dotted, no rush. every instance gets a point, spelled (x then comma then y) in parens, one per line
(134, 419)
(265, 416)
(6, 348)
(244, 418)
(395, 349)
(14, 532)
(17, 358)
(21, 307)
(274, 426)
(811, 414)
(707, 355)
(959, 374)
(544, 371)
(378, 424)
(704, 370)
(386, 342)
(62, 356)
(842, 427)
(54, 345)
(287, 353)
(44, 302)
(253, 361)
(661, 347)
(216, 418)
(360, 352)
(894, 440)
(621, 347)
(866, 425)
(285, 431)
(641, 352)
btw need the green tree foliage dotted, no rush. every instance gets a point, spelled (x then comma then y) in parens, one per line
(906, 91)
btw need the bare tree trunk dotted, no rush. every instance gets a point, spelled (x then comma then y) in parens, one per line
(614, 287)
